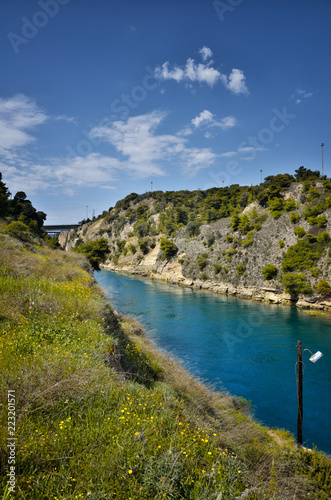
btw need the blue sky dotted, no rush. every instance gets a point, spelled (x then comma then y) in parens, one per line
(100, 98)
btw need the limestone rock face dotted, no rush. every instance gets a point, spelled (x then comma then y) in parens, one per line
(217, 258)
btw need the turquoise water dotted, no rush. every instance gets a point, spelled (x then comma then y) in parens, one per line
(246, 348)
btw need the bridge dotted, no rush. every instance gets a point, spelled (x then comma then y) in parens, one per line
(57, 229)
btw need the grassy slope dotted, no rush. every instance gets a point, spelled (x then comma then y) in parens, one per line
(102, 415)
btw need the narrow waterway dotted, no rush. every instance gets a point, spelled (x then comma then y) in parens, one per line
(245, 348)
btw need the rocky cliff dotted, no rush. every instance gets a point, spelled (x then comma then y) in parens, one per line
(271, 248)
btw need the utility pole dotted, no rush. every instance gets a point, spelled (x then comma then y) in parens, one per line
(322, 146)
(151, 186)
(261, 174)
(300, 402)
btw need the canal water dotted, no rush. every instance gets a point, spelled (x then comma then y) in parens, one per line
(242, 347)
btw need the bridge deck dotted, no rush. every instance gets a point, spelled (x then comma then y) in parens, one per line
(59, 228)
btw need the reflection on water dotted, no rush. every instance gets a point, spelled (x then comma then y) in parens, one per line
(246, 347)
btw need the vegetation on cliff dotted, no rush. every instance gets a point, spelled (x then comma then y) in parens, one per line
(101, 414)
(258, 236)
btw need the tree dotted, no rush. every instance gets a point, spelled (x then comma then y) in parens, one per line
(323, 288)
(296, 283)
(4, 198)
(96, 252)
(302, 174)
(168, 247)
(269, 271)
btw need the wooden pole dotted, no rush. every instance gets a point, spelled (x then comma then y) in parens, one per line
(300, 403)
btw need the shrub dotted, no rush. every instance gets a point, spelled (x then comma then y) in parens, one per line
(320, 221)
(302, 256)
(143, 245)
(168, 247)
(323, 288)
(269, 271)
(276, 207)
(96, 252)
(324, 237)
(120, 245)
(230, 252)
(313, 211)
(19, 230)
(141, 229)
(229, 239)
(314, 271)
(193, 228)
(299, 232)
(296, 283)
(245, 225)
(281, 244)
(294, 218)
(217, 268)
(210, 239)
(235, 221)
(290, 205)
(240, 269)
(202, 261)
(132, 248)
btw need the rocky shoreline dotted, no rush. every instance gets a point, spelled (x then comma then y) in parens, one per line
(171, 273)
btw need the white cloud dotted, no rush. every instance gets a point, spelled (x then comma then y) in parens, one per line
(140, 152)
(237, 83)
(144, 150)
(229, 154)
(207, 118)
(206, 53)
(66, 174)
(197, 159)
(204, 117)
(65, 118)
(18, 115)
(203, 73)
(226, 123)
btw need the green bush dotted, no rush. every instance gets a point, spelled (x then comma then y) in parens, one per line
(281, 244)
(19, 230)
(240, 269)
(276, 207)
(294, 218)
(324, 237)
(314, 271)
(299, 232)
(217, 268)
(323, 288)
(96, 252)
(269, 271)
(290, 205)
(296, 283)
(303, 255)
(245, 225)
(230, 252)
(132, 248)
(202, 261)
(193, 228)
(320, 221)
(210, 239)
(168, 247)
(143, 245)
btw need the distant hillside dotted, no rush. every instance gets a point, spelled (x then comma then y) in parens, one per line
(269, 242)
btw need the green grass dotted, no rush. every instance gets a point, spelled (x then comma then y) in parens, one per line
(101, 414)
